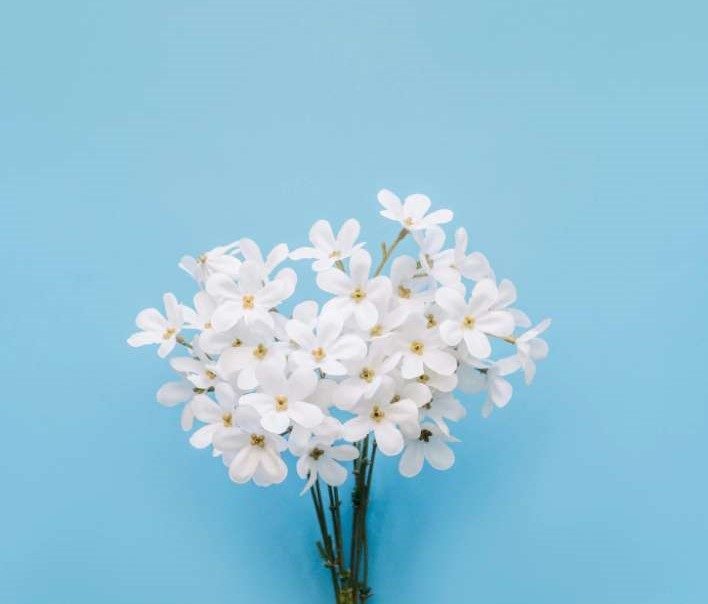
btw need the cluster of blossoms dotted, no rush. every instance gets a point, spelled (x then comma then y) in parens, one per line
(380, 359)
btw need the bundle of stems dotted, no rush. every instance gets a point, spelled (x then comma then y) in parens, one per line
(350, 577)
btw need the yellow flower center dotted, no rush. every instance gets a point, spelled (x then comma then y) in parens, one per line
(281, 403)
(236, 343)
(468, 322)
(376, 331)
(227, 420)
(260, 351)
(408, 221)
(417, 347)
(358, 295)
(425, 435)
(169, 332)
(207, 325)
(335, 254)
(202, 259)
(367, 374)
(404, 292)
(210, 374)
(318, 354)
(423, 379)
(432, 321)
(316, 453)
(248, 301)
(258, 440)
(377, 414)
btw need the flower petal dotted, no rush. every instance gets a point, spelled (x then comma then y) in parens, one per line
(438, 454)
(388, 438)
(440, 361)
(305, 414)
(331, 472)
(411, 462)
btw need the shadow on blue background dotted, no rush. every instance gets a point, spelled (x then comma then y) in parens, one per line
(570, 138)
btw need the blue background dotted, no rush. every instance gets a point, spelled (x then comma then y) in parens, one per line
(571, 138)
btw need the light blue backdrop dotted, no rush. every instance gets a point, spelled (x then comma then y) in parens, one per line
(571, 138)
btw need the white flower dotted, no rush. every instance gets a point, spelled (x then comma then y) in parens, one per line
(479, 375)
(506, 297)
(441, 407)
(320, 461)
(176, 392)
(218, 416)
(257, 347)
(388, 322)
(157, 329)
(382, 417)
(210, 340)
(409, 290)
(218, 260)
(281, 400)
(396, 389)
(249, 299)
(252, 253)
(436, 262)
(473, 321)
(426, 443)
(329, 249)
(250, 451)
(366, 376)
(204, 374)
(355, 294)
(474, 266)
(326, 348)
(420, 347)
(330, 427)
(530, 348)
(411, 213)
(437, 381)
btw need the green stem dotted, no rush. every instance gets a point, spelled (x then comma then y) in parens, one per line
(325, 546)
(388, 251)
(366, 590)
(334, 506)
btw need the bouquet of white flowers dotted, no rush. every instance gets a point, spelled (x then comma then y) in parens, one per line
(373, 370)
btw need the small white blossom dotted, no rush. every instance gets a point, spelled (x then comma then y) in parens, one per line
(530, 348)
(473, 321)
(366, 378)
(249, 299)
(252, 253)
(443, 406)
(326, 348)
(481, 376)
(217, 416)
(250, 451)
(383, 418)
(419, 347)
(436, 262)
(328, 249)
(281, 399)
(219, 260)
(321, 458)
(473, 266)
(159, 329)
(257, 347)
(355, 294)
(426, 443)
(507, 297)
(176, 392)
(411, 214)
